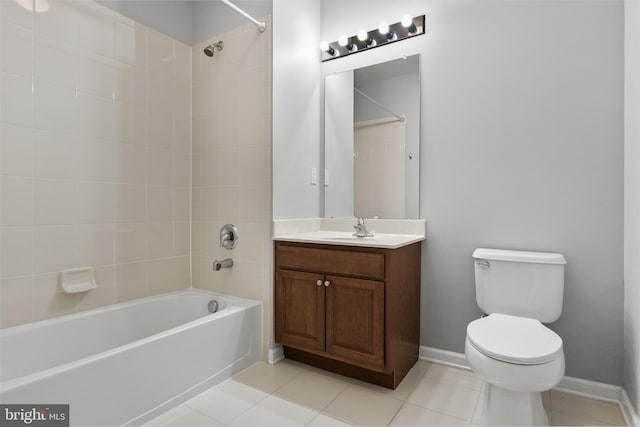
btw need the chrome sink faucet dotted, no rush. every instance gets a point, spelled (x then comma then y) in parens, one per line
(361, 229)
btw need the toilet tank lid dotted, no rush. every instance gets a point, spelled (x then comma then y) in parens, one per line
(519, 256)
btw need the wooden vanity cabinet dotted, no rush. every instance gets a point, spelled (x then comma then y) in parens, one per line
(351, 310)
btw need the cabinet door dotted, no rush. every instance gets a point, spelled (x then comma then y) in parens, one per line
(355, 320)
(299, 309)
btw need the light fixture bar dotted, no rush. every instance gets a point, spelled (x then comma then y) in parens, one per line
(345, 46)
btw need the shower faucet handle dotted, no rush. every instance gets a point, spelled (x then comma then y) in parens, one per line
(229, 236)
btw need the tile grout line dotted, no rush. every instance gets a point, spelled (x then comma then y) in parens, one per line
(202, 413)
(404, 402)
(333, 400)
(261, 400)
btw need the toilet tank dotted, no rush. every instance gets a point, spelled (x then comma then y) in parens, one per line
(526, 284)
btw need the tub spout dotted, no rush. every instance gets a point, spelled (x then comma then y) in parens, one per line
(225, 263)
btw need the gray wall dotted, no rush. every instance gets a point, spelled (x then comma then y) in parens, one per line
(632, 205)
(171, 17)
(522, 148)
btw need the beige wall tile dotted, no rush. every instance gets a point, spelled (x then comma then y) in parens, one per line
(16, 301)
(99, 155)
(48, 300)
(130, 281)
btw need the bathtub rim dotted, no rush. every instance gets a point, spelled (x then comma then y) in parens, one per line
(234, 304)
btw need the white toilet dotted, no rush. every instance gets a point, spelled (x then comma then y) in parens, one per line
(510, 349)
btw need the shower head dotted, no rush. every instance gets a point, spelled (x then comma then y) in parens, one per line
(211, 49)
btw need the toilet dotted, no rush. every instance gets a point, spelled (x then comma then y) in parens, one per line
(510, 348)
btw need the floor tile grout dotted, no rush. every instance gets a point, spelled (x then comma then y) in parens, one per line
(202, 413)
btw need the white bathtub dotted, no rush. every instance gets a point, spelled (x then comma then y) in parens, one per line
(126, 363)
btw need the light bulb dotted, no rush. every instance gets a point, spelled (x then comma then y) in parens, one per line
(385, 31)
(324, 46)
(362, 35)
(343, 40)
(407, 22)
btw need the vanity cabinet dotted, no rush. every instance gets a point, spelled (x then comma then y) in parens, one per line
(351, 310)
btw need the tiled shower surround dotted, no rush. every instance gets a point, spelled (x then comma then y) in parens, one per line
(99, 169)
(96, 168)
(232, 164)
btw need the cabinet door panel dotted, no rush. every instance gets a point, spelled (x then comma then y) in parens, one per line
(355, 320)
(299, 310)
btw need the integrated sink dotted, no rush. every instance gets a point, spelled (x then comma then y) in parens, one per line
(350, 237)
(379, 240)
(387, 233)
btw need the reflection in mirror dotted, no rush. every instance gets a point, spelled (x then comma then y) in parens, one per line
(372, 141)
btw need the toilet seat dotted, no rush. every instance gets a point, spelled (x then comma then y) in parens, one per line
(516, 340)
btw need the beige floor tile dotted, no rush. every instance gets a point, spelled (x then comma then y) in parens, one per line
(423, 366)
(360, 406)
(546, 400)
(440, 373)
(449, 398)
(589, 409)
(183, 416)
(274, 411)
(267, 377)
(226, 401)
(324, 420)
(446, 396)
(413, 415)
(404, 389)
(311, 389)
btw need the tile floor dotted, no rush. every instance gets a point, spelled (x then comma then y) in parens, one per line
(292, 394)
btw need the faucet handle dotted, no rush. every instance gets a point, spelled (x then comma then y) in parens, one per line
(229, 236)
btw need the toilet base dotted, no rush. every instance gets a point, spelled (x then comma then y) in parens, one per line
(502, 407)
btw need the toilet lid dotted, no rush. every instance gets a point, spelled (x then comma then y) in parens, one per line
(518, 340)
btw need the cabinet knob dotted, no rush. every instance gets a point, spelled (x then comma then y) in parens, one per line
(319, 282)
(327, 283)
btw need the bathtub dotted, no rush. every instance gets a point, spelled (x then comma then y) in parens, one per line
(129, 362)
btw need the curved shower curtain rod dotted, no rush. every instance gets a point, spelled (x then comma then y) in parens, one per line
(261, 25)
(368, 98)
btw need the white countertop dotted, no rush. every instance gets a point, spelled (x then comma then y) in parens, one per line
(379, 240)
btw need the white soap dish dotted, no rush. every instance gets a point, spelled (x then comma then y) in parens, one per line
(76, 280)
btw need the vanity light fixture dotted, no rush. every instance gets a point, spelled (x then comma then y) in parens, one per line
(384, 30)
(364, 40)
(324, 46)
(364, 37)
(407, 22)
(343, 41)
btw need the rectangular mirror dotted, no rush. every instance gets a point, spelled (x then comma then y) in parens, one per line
(372, 141)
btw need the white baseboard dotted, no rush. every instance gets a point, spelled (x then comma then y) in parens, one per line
(630, 415)
(591, 389)
(276, 354)
(444, 357)
(577, 386)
